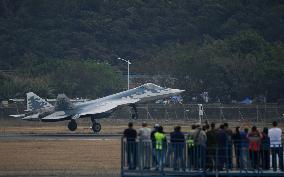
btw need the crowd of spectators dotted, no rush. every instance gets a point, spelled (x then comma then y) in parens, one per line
(205, 147)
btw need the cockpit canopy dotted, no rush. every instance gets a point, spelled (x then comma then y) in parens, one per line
(150, 86)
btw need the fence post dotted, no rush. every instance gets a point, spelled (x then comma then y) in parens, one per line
(122, 158)
(217, 161)
(139, 156)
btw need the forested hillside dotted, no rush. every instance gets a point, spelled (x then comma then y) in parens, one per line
(230, 48)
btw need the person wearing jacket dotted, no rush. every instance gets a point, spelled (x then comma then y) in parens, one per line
(264, 149)
(254, 138)
(178, 144)
(200, 139)
(237, 146)
(221, 145)
(211, 147)
(161, 141)
(191, 148)
(154, 159)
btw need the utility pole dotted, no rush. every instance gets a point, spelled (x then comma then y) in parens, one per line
(128, 63)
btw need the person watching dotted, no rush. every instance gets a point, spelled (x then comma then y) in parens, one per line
(275, 135)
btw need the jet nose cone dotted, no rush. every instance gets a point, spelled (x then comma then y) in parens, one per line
(177, 91)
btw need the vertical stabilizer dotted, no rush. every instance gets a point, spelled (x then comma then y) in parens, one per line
(35, 102)
(63, 103)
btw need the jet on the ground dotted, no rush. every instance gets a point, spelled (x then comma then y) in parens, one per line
(64, 109)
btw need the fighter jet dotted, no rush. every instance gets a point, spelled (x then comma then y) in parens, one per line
(64, 109)
(36, 108)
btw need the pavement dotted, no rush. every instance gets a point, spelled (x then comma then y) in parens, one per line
(59, 136)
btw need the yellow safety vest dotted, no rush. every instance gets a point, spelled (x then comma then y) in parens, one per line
(159, 137)
(190, 142)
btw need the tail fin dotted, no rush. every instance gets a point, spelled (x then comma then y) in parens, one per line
(35, 102)
(63, 103)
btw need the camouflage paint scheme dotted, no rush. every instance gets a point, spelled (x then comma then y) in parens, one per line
(64, 109)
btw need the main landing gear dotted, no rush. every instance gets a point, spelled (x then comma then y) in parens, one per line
(134, 111)
(72, 125)
(96, 127)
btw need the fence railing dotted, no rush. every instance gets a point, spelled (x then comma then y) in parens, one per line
(188, 112)
(236, 157)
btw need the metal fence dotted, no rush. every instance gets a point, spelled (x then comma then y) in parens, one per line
(182, 159)
(216, 112)
(257, 113)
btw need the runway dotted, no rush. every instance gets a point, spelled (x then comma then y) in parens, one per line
(59, 136)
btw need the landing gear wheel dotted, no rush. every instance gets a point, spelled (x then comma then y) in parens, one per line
(96, 127)
(72, 125)
(134, 111)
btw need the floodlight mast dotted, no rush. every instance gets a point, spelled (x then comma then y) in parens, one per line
(128, 63)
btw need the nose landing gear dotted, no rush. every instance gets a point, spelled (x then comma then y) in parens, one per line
(72, 125)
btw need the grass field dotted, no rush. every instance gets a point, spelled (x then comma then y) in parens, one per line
(59, 158)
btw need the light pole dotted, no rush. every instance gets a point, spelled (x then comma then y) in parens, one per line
(128, 63)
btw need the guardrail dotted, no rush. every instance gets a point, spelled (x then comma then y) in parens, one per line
(140, 158)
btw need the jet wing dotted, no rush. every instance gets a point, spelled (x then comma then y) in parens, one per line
(18, 115)
(58, 115)
(33, 117)
(107, 105)
(92, 108)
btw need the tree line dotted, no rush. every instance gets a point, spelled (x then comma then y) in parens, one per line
(231, 49)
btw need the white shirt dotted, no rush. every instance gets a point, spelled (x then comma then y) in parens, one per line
(144, 134)
(275, 137)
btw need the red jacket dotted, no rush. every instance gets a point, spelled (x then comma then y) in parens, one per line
(254, 140)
